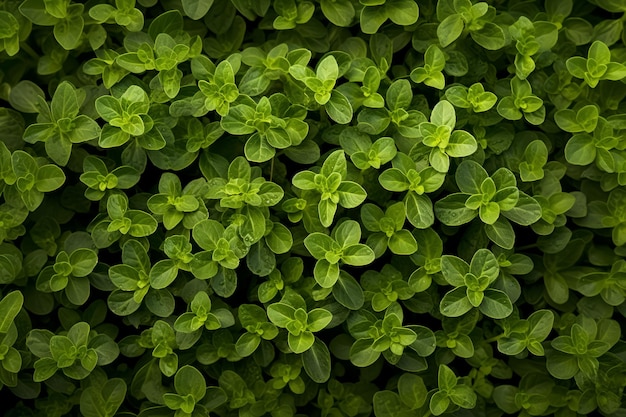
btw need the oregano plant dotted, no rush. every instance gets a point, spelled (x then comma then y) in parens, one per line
(324, 208)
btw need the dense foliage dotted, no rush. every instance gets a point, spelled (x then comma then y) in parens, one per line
(397, 208)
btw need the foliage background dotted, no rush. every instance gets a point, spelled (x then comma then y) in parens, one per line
(320, 208)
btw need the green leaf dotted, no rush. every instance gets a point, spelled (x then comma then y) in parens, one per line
(260, 259)
(258, 149)
(339, 108)
(350, 194)
(23, 164)
(412, 391)
(496, 304)
(446, 379)
(580, 149)
(469, 176)
(439, 403)
(372, 19)
(163, 273)
(59, 148)
(247, 344)
(461, 144)
(511, 345)
(340, 13)
(10, 306)
(335, 162)
(122, 303)
(326, 274)
(142, 224)
(327, 69)
(92, 403)
(318, 318)
(490, 37)
(455, 303)
(599, 52)
(108, 107)
(83, 129)
(316, 362)
(318, 244)
(112, 137)
(443, 114)
(40, 132)
(27, 97)
(68, 32)
(393, 179)
(224, 283)
(450, 29)
(556, 287)
(78, 290)
(358, 255)
(305, 180)
(347, 233)
(45, 368)
(526, 212)
(485, 264)
(419, 210)
(83, 262)
(327, 210)
(585, 120)
(49, 178)
(402, 243)
(189, 381)
(540, 324)
(451, 210)
(279, 240)
(281, 314)
(399, 95)
(454, 270)
(206, 234)
(507, 109)
(348, 292)
(64, 102)
(253, 228)
(463, 396)
(402, 12)
(239, 168)
(300, 343)
(196, 9)
(362, 354)
(250, 314)
(561, 365)
(501, 233)
(387, 404)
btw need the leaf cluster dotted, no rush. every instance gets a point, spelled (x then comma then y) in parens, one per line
(326, 208)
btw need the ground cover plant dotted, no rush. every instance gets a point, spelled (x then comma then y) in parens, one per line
(388, 208)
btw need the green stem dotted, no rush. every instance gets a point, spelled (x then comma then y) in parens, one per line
(494, 339)
(26, 48)
(522, 248)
